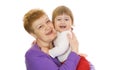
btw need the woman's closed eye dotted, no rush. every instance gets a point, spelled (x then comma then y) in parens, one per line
(40, 26)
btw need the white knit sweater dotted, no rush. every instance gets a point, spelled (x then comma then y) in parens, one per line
(61, 49)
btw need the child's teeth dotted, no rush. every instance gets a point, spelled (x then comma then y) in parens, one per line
(62, 26)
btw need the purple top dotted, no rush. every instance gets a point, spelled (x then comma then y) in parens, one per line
(37, 60)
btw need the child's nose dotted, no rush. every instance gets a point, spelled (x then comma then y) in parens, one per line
(63, 21)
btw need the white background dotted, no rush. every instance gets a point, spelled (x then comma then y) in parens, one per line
(97, 27)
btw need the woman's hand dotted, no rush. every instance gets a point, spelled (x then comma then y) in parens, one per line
(73, 42)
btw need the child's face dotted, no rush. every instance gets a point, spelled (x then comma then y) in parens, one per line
(62, 23)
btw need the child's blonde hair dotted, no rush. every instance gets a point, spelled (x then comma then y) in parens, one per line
(61, 10)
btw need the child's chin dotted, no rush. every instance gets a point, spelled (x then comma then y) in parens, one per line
(64, 29)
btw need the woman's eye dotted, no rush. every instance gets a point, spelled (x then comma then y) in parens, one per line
(39, 27)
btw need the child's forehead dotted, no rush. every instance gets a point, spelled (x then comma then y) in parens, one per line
(63, 14)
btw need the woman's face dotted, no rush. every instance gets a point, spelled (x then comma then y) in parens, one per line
(62, 23)
(43, 29)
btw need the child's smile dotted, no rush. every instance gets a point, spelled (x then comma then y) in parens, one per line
(63, 22)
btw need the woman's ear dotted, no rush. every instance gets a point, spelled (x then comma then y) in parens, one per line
(34, 35)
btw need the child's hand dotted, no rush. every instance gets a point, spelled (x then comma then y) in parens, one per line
(83, 54)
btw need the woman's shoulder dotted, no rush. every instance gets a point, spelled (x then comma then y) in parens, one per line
(33, 51)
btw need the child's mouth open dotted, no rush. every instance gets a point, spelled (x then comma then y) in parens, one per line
(62, 27)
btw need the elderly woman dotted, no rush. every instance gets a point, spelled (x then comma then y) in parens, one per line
(37, 24)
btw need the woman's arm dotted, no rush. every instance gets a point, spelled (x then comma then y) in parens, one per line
(46, 63)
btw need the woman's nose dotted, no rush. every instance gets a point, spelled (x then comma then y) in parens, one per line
(47, 27)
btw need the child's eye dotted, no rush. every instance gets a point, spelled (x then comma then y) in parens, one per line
(66, 19)
(58, 19)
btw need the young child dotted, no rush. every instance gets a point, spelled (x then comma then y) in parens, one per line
(63, 20)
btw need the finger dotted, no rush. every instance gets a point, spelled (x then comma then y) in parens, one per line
(68, 35)
(72, 33)
(83, 54)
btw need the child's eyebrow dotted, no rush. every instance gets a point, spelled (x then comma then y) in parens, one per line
(58, 17)
(67, 16)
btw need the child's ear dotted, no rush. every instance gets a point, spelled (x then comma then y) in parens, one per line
(34, 35)
(71, 27)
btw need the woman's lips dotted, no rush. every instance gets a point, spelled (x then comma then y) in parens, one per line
(50, 32)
